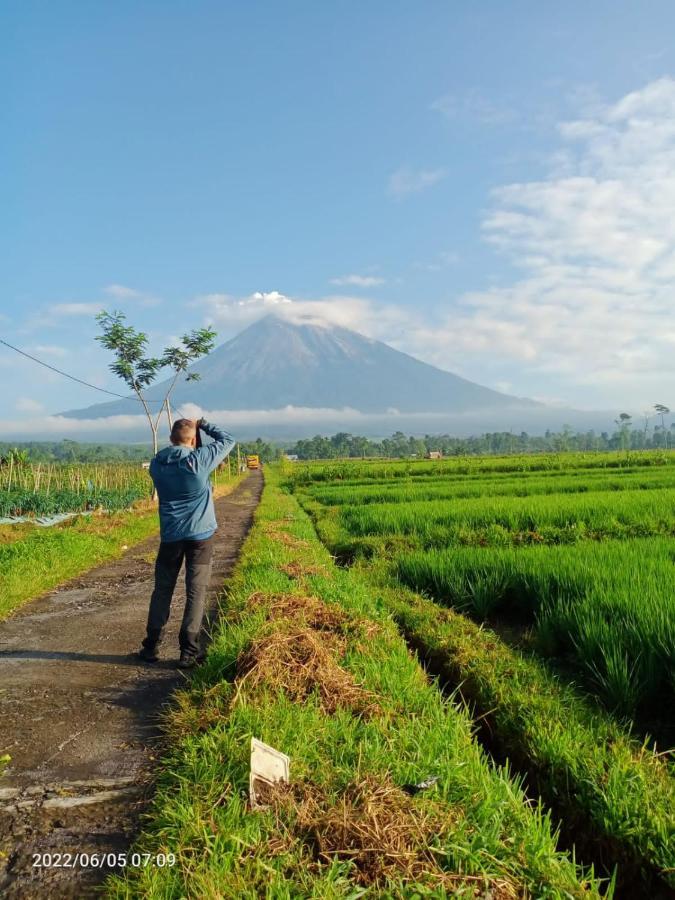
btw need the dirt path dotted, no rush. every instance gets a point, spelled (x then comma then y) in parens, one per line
(78, 713)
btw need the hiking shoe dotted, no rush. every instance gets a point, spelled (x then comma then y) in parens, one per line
(187, 661)
(147, 655)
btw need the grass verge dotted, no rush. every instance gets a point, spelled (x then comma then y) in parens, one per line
(306, 658)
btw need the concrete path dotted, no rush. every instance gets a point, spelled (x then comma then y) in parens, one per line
(79, 713)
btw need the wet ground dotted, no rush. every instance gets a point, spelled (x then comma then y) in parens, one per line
(79, 714)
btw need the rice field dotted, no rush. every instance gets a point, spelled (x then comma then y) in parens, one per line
(49, 488)
(566, 564)
(370, 470)
(44, 489)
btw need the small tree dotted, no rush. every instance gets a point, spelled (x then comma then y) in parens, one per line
(623, 422)
(138, 370)
(662, 411)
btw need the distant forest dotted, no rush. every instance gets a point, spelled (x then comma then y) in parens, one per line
(343, 444)
(498, 442)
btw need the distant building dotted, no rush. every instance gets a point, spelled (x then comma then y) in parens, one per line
(434, 454)
(292, 457)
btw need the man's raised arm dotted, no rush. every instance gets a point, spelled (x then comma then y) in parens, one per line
(212, 454)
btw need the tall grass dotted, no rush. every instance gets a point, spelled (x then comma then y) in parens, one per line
(609, 789)
(548, 518)
(606, 607)
(80, 478)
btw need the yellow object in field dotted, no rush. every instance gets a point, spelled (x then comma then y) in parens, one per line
(253, 461)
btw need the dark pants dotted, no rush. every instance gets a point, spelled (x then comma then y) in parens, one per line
(198, 556)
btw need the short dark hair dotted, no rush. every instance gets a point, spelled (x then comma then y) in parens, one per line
(182, 430)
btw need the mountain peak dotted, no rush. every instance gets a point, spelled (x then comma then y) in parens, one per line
(279, 361)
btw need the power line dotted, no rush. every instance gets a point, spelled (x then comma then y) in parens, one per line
(72, 377)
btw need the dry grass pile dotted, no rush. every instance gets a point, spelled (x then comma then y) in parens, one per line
(297, 570)
(301, 662)
(305, 609)
(388, 836)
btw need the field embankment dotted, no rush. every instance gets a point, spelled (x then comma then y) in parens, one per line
(305, 657)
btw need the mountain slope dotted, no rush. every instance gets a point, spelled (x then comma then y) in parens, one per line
(275, 363)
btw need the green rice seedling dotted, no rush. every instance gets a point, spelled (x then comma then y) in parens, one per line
(346, 470)
(617, 679)
(530, 519)
(464, 487)
(582, 600)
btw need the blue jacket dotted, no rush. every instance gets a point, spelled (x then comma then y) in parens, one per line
(181, 476)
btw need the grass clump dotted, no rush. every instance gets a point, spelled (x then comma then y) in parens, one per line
(386, 836)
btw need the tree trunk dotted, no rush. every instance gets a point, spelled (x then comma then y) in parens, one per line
(153, 428)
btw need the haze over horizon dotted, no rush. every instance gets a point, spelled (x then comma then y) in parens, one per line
(487, 189)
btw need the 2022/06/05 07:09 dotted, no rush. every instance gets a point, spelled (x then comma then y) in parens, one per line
(102, 860)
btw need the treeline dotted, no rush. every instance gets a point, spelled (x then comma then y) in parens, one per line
(343, 444)
(400, 445)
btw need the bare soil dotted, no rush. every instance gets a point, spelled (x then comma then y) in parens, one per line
(79, 712)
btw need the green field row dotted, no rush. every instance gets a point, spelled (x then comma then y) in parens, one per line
(562, 518)
(350, 470)
(21, 503)
(463, 487)
(608, 608)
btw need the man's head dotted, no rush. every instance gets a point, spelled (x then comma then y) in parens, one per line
(184, 432)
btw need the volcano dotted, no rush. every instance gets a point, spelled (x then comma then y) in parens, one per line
(276, 363)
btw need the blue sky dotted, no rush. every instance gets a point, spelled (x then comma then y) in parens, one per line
(488, 186)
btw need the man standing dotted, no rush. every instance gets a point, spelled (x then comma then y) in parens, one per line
(187, 523)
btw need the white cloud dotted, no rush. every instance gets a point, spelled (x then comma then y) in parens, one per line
(26, 404)
(74, 309)
(406, 180)
(364, 281)
(122, 293)
(595, 242)
(378, 320)
(135, 427)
